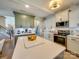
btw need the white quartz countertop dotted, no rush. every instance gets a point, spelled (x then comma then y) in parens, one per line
(49, 50)
(74, 36)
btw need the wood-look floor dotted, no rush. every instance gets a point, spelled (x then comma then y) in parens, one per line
(69, 56)
(9, 48)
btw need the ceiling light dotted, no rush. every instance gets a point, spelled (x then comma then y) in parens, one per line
(55, 4)
(27, 6)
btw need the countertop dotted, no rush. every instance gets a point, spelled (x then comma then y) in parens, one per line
(77, 36)
(22, 34)
(49, 50)
(59, 35)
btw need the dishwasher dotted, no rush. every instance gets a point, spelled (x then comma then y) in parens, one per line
(73, 44)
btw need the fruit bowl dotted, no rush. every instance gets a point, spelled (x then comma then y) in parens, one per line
(31, 37)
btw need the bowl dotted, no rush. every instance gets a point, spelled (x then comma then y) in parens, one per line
(31, 37)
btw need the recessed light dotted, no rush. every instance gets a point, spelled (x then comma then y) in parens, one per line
(27, 6)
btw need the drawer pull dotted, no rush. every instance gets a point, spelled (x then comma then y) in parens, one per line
(72, 39)
(75, 39)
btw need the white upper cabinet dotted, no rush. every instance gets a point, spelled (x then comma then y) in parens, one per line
(62, 16)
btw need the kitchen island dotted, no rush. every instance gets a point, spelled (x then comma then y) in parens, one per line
(48, 50)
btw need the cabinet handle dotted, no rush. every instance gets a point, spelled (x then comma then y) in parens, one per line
(75, 39)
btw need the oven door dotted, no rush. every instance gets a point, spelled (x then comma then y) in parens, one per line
(60, 40)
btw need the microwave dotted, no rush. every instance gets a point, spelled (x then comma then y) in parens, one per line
(62, 24)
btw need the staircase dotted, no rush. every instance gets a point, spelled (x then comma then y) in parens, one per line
(4, 33)
(9, 43)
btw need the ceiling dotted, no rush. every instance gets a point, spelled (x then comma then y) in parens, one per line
(37, 7)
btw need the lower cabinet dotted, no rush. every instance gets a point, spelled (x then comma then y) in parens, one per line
(49, 35)
(73, 44)
(60, 56)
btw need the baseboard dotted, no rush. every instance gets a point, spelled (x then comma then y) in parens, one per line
(73, 53)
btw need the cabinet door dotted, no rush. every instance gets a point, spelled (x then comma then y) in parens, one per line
(73, 44)
(46, 34)
(62, 16)
(51, 36)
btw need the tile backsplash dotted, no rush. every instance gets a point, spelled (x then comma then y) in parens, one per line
(74, 31)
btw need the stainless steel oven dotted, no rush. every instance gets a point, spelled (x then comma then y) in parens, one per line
(61, 37)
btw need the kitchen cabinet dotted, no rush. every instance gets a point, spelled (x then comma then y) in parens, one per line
(73, 44)
(62, 16)
(49, 35)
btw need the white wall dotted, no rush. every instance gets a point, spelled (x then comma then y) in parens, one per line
(6, 12)
(49, 24)
(37, 21)
(74, 17)
(2, 21)
(38, 24)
